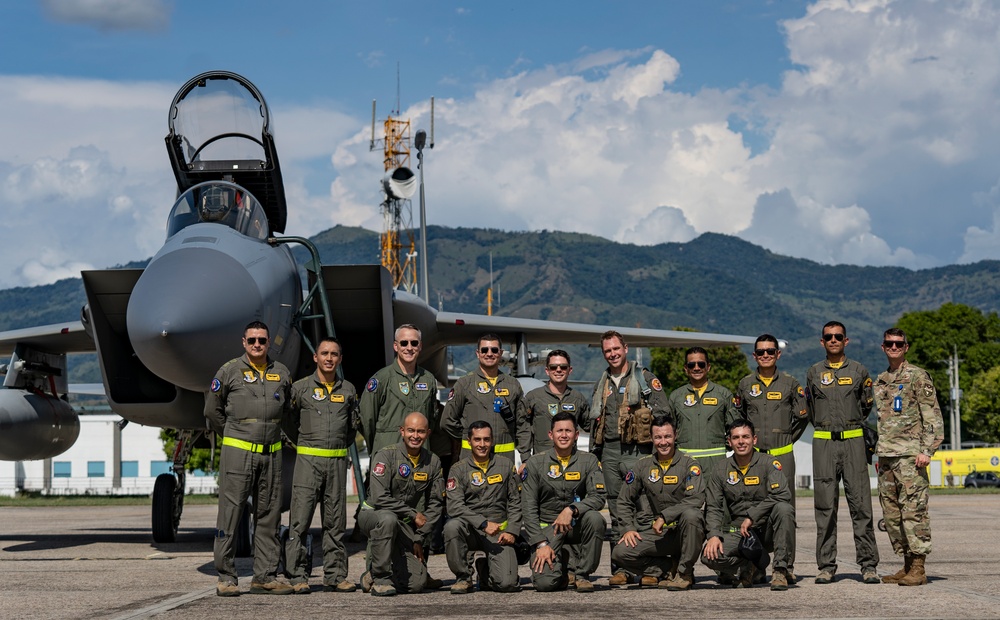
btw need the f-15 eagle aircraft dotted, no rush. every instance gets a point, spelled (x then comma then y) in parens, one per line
(160, 333)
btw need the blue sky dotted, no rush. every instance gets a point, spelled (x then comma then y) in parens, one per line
(860, 132)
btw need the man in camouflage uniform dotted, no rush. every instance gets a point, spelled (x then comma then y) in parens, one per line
(748, 492)
(702, 410)
(910, 429)
(407, 494)
(484, 502)
(622, 407)
(776, 404)
(839, 398)
(321, 423)
(671, 482)
(246, 404)
(555, 396)
(561, 499)
(492, 396)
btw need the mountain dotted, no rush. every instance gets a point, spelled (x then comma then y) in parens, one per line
(713, 283)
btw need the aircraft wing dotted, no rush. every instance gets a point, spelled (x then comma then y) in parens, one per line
(57, 338)
(456, 328)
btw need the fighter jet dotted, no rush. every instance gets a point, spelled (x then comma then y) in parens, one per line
(161, 333)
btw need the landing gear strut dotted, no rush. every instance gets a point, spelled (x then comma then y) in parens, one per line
(168, 491)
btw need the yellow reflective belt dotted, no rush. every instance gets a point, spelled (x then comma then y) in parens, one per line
(698, 454)
(543, 524)
(251, 447)
(500, 447)
(854, 432)
(503, 526)
(321, 451)
(779, 451)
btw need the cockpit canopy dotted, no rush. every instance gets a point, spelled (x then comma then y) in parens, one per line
(218, 202)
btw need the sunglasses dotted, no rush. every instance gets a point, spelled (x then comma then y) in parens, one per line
(558, 366)
(760, 352)
(693, 365)
(838, 337)
(409, 343)
(485, 350)
(894, 344)
(256, 340)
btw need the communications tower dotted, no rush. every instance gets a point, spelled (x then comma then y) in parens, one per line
(397, 247)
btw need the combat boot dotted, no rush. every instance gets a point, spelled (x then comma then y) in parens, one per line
(583, 584)
(679, 582)
(620, 579)
(462, 586)
(270, 587)
(224, 588)
(779, 580)
(301, 588)
(916, 576)
(895, 577)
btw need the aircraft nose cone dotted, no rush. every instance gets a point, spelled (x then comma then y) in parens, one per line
(187, 312)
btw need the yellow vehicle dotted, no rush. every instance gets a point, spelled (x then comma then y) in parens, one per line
(949, 467)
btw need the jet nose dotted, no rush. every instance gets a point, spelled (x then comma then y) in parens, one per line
(187, 312)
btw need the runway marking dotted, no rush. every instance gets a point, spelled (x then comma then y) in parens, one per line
(167, 605)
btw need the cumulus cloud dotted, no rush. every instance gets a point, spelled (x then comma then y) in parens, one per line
(112, 15)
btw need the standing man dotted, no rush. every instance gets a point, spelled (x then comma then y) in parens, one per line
(702, 410)
(776, 404)
(910, 429)
(484, 502)
(839, 397)
(748, 512)
(671, 482)
(405, 501)
(492, 396)
(555, 396)
(246, 404)
(624, 402)
(562, 497)
(321, 423)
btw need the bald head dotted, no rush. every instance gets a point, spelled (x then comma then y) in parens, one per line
(414, 432)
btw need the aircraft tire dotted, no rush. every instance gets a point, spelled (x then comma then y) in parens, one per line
(164, 527)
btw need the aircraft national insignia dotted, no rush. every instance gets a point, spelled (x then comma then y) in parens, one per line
(248, 376)
(483, 388)
(319, 394)
(690, 400)
(404, 387)
(826, 378)
(554, 471)
(404, 470)
(216, 385)
(755, 390)
(372, 384)
(654, 474)
(733, 477)
(477, 479)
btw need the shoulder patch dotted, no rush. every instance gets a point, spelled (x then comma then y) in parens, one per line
(372, 384)
(777, 464)
(656, 385)
(801, 391)
(868, 382)
(378, 470)
(629, 477)
(775, 485)
(451, 393)
(695, 470)
(524, 474)
(216, 385)
(452, 484)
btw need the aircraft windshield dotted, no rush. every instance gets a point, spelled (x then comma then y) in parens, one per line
(221, 203)
(219, 120)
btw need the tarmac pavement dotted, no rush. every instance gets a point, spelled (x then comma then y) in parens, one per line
(99, 562)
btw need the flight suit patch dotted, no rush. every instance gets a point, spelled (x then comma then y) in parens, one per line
(477, 479)
(654, 474)
(379, 470)
(404, 387)
(553, 408)
(689, 487)
(337, 398)
(826, 378)
(372, 384)
(451, 393)
(710, 401)
(621, 390)
(777, 465)
(630, 477)
(248, 376)
(801, 391)
(483, 387)
(420, 476)
(845, 381)
(404, 470)
(670, 480)
(598, 486)
(554, 471)
(216, 385)
(733, 477)
(751, 480)
(572, 475)
(272, 376)
(503, 392)
(420, 387)
(755, 390)
(656, 385)
(319, 394)
(775, 485)
(774, 396)
(495, 478)
(568, 407)
(695, 470)
(689, 400)
(452, 485)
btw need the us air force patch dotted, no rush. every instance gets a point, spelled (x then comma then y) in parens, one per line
(216, 385)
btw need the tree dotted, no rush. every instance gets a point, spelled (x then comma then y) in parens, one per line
(981, 408)
(201, 458)
(729, 365)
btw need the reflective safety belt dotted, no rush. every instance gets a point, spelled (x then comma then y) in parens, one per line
(500, 447)
(251, 447)
(329, 453)
(700, 454)
(779, 451)
(839, 435)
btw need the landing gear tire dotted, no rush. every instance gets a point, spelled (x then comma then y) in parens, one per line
(881, 525)
(166, 509)
(244, 532)
(283, 555)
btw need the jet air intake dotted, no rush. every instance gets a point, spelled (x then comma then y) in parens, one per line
(400, 184)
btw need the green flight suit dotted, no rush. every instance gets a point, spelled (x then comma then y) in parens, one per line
(321, 423)
(839, 400)
(247, 410)
(677, 494)
(475, 497)
(398, 491)
(547, 488)
(762, 495)
(542, 405)
(472, 399)
(389, 396)
(702, 421)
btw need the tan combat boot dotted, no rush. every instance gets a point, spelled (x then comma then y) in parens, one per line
(895, 577)
(916, 576)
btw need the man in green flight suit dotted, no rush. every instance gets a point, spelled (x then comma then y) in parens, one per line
(839, 397)
(776, 404)
(246, 404)
(910, 429)
(555, 396)
(321, 423)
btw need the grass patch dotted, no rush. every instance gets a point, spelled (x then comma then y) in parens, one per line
(35, 498)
